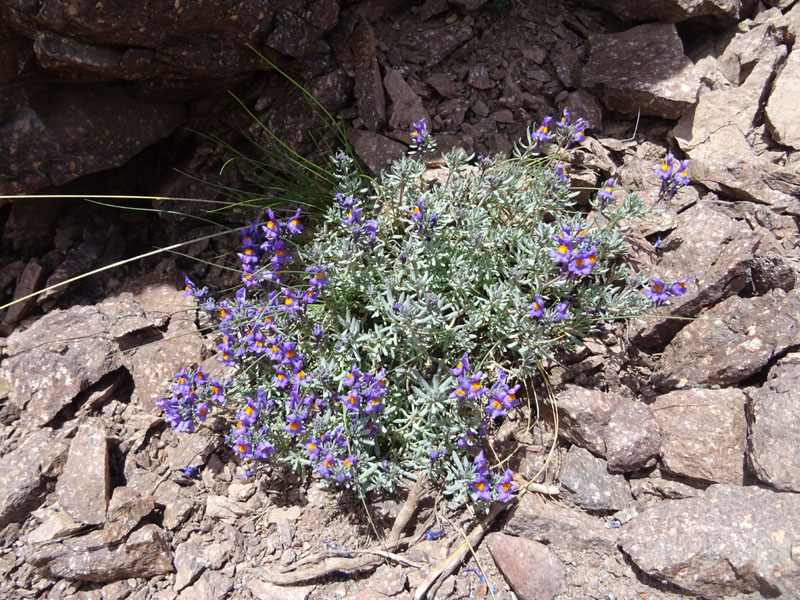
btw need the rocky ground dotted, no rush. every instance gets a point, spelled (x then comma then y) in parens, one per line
(675, 470)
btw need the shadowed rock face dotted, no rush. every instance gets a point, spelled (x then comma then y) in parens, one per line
(87, 86)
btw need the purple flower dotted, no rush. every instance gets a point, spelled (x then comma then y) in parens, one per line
(291, 303)
(682, 175)
(249, 414)
(345, 201)
(243, 447)
(417, 213)
(263, 450)
(581, 125)
(436, 454)
(475, 389)
(542, 133)
(606, 194)
(462, 390)
(272, 228)
(351, 402)
(294, 425)
(664, 171)
(537, 308)
(462, 367)
(352, 377)
(563, 253)
(313, 448)
(481, 488)
(505, 488)
(217, 391)
(281, 379)
(318, 332)
(564, 121)
(560, 311)
(318, 278)
(466, 440)
(189, 471)
(328, 463)
(293, 225)
(353, 217)
(561, 172)
(583, 262)
(257, 343)
(420, 132)
(657, 292)
(370, 229)
(679, 287)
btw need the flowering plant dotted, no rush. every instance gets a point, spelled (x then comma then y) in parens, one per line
(394, 339)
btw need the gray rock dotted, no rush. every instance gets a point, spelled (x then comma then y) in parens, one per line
(632, 438)
(30, 280)
(23, 486)
(60, 355)
(781, 115)
(126, 509)
(560, 527)
(432, 46)
(729, 540)
(83, 488)
(731, 342)
(479, 77)
(444, 85)
(583, 415)
(716, 252)
(222, 507)
(374, 150)
(774, 427)
(189, 564)
(643, 68)
(587, 483)
(704, 434)
(368, 90)
(406, 107)
(263, 590)
(212, 585)
(721, 133)
(146, 553)
(57, 525)
(533, 572)
(674, 11)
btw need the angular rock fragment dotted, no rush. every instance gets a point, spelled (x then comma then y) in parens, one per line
(533, 572)
(587, 483)
(731, 342)
(727, 541)
(126, 509)
(23, 486)
(642, 69)
(632, 438)
(780, 111)
(704, 434)
(772, 454)
(60, 355)
(583, 415)
(560, 527)
(83, 488)
(146, 553)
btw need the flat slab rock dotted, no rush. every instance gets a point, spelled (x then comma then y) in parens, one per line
(146, 553)
(728, 540)
(643, 68)
(775, 428)
(531, 569)
(704, 434)
(730, 342)
(583, 415)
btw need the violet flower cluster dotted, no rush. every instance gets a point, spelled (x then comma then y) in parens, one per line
(673, 174)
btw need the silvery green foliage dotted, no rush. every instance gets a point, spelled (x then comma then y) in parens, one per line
(440, 293)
